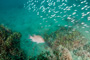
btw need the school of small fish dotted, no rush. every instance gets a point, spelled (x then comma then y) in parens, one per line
(56, 11)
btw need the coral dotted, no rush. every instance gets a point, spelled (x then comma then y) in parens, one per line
(40, 57)
(65, 53)
(10, 45)
(44, 56)
(63, 36)
(60, 53)
(62, 42)
(69, 39)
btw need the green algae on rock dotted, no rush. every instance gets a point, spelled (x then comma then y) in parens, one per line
(10, 45)
(62, 42)
(67, 38)
(44, 56)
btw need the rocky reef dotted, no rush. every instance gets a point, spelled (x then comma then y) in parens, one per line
(10, 45)
(67, 37)
(64, 43)
(44, 56)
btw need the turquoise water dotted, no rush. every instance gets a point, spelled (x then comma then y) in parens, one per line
(30, 17)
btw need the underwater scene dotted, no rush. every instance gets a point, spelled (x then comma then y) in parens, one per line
(44, 29)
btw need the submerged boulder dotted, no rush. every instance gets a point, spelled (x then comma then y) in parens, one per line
(68, 38)
(10, 45)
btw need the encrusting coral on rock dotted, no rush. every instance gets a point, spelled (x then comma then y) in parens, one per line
(62, 42)
(10, 45)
